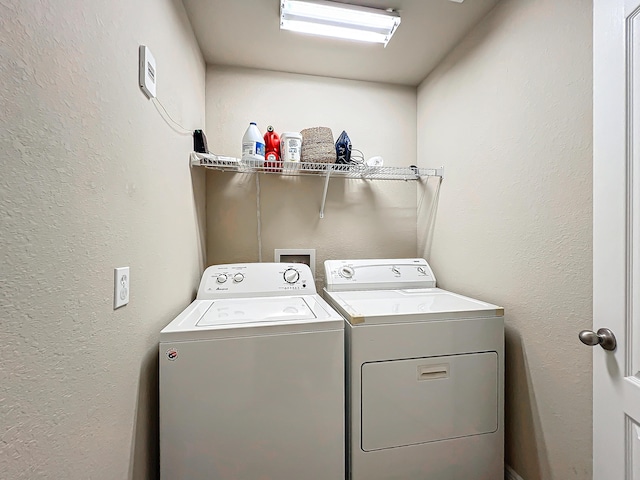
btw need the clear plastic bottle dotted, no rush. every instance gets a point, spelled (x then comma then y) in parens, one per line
(253, 146)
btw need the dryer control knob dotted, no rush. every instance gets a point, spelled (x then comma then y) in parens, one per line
(347, 272)
(291, 275)
(221, 278)
(238, 277)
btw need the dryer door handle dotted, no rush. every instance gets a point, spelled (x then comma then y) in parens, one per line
(433, 372)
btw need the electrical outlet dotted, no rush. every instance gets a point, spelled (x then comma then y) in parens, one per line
(120, 287)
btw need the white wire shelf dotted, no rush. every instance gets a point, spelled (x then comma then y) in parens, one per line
(359, 171)
(328, 170)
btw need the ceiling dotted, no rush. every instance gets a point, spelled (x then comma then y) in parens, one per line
(246, 33)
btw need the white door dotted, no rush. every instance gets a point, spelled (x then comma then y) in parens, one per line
(616, 238)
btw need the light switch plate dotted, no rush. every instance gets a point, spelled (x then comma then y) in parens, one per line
(121, 284)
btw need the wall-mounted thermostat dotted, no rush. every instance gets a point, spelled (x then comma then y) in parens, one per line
(148, 75)
(297, 255)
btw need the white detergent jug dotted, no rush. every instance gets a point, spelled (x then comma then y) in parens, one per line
(253, 146)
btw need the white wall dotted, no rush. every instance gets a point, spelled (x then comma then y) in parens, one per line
(508, 113)
(92, 178)
(362, 218)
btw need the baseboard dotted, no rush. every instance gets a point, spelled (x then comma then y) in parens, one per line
(510, 473)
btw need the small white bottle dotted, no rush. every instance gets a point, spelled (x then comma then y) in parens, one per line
(253, 146)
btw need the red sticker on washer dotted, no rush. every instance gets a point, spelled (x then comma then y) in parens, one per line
(172, 354)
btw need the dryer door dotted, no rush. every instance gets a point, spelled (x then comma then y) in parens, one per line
(408, 402)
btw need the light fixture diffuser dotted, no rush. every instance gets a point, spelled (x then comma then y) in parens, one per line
(338, 20)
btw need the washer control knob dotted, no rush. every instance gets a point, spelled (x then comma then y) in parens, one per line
(347, 272)
(221, 278)
(238, 277)
(422, 270)
(291, 275)
(396, 271)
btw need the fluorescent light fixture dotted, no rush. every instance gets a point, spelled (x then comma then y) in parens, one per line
(338, 20)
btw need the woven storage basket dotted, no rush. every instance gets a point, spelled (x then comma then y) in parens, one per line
(317, 145)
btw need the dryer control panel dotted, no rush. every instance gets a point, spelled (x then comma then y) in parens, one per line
(378, 274)
(242, 280)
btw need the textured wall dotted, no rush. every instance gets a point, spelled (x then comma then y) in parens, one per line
(362, 218)
(91, 178)
(508, 113)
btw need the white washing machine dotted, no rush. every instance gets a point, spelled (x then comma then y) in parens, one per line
(252, 379)
(424, 374)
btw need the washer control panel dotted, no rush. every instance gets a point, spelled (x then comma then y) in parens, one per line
(240, 280)
(378, 274)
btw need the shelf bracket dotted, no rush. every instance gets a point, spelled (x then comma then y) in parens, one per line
(435, 172)
(326, 188)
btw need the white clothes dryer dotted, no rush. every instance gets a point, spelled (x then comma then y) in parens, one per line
(252, 379)
(424, 374)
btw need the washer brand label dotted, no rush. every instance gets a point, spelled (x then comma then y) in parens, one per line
(172, 354)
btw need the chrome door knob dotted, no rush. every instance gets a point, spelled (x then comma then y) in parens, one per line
(604, 337)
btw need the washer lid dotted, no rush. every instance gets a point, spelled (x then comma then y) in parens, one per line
(240, 317)
(412, 305)
(239, 311)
